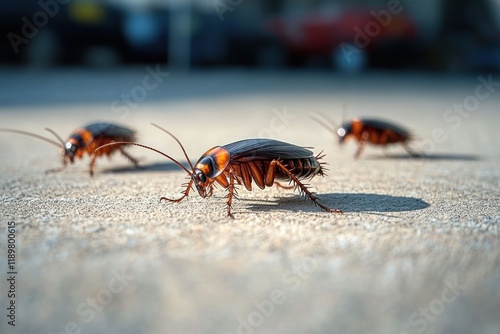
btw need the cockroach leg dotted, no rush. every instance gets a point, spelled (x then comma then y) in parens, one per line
(302, 186)
(92, 164)
(222, 179)
(57, 170)
(362, 142)
(210, 190)
(361, 147)
(231, 190)
(184, 193)
(279, 185)
(122, 151)
(410, 151)
(129, 157)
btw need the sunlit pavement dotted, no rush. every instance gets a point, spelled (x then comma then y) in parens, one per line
(416, 250)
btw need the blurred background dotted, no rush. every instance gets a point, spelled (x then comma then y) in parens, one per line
(345, 36)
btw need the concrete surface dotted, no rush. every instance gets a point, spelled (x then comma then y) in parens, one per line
(417, 250)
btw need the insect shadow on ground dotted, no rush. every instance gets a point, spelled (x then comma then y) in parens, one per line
(434, 157)
(349, 202)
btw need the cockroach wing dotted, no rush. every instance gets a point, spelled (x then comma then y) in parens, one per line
(380, 124)
(110, 130)
(265, 149)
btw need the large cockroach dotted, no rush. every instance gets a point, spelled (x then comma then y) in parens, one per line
(86, 139)
(262, 161)
(369, 131)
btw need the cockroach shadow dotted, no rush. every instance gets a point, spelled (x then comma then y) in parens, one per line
(429, 157)
(348, 202)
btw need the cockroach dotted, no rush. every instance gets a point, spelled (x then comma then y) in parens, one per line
(371, 131)
(262, 161)
(86, 139)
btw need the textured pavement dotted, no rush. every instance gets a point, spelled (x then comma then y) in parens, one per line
(416, 251)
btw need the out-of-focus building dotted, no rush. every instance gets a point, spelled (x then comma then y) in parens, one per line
(448, 35)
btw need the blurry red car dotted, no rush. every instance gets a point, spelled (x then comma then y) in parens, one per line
(354, 34)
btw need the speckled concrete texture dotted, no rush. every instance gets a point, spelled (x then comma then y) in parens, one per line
(416, 250)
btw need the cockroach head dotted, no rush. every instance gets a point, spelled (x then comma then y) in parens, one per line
(200, 182)
(70, 151)
(210, 165)
(342, 133)
(198, 175)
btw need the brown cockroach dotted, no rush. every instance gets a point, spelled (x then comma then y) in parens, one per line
(369, 131)
(86, 139)
(375, 132)
(262, 161)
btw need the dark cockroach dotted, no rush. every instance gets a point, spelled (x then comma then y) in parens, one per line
(86, 139)
(263, 161)
(369, 131)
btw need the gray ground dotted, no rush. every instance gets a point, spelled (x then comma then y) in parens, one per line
(417, 250)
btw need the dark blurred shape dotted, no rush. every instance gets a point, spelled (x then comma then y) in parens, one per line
(423, 157)
(323, 35)
(445, 35)
(55, 33)
(348, 202)
(43, 33)
(469, 38)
